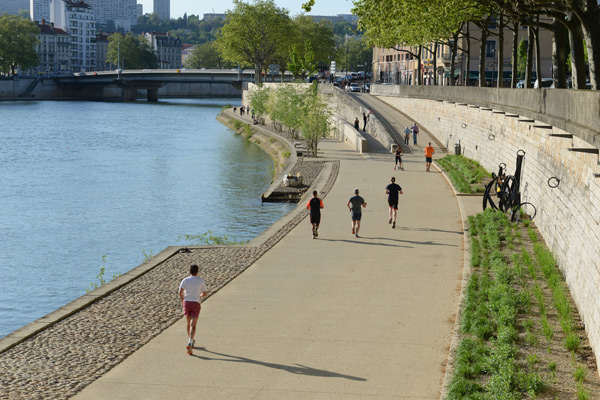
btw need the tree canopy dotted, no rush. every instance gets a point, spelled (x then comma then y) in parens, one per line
(18, 37)
(207, 55)
(254, 34)
(130, 51)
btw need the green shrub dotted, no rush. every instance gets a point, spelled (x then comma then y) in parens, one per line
(580, 373)
(286, 154)
(572, 342)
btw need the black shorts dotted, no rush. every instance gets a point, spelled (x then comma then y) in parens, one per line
(393, 203)
(315, 219)
(398, 159)
(428, 159)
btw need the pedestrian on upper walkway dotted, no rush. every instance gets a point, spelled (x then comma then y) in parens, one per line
(354, 205)
(365, 122)
(393, 190)
(315, 205)
(428, 156)
(407, 133)
(191, 290)
(356, 124)
(415, 132)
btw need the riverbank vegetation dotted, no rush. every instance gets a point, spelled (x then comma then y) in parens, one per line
(467, 175)
(521, 336)
(300, 111)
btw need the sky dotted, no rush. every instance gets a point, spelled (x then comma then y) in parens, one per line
(200, 7)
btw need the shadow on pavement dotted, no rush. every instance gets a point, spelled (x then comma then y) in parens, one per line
(294, 369)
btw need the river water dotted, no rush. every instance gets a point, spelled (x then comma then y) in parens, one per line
(86, 185)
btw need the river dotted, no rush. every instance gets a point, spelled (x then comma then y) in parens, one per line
(91, 185)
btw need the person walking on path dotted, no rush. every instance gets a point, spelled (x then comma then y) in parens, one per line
(393, 190)
(398, 155)
(314, 205)
(354, 205)
(365, 122)
(428, 156)
(191, 290)
(356, 124)
(415, 132)
(407, 133)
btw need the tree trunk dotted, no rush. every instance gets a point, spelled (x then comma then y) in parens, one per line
(482, 48)
(467, 59)
(560, 44)
(538, 58)
(257, 74)
(528, 69)
(500, 53)
(591, 33)
(419, 77)
(577, 55)
(435, 74)
(453, 50)
(515, 54)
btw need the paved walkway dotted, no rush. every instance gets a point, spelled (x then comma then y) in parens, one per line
(336, 317)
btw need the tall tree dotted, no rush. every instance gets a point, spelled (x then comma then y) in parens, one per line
(253, 34)
(207, 55)
(18, 37)
(130, 51)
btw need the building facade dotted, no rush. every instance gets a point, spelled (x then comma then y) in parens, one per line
(101, 52)
(39, 10)
(53, 49)
(162, 8)
(122, 12)
(13, 6)
(400, 65)
(167, 49)
(79, 21)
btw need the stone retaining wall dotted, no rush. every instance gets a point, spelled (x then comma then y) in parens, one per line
(568, 216)
(348, 108)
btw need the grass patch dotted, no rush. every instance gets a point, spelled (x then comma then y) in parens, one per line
(517, 315)
(466, 175)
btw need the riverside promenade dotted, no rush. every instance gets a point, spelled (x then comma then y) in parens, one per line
(336, 317)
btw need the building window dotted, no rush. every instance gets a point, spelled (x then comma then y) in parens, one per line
(490, 48)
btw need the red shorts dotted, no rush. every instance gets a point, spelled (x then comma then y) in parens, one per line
(191, 309)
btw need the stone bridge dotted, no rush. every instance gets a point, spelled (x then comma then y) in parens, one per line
(131, 84)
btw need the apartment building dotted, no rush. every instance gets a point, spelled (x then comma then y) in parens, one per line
(79, 21)
(167, 49)
(53, 49)
(400, 65)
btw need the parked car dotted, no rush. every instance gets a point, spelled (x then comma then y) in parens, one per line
(311, 79)
(353, 87)
(547, 83)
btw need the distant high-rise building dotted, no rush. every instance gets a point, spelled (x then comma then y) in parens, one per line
(79, 21)
(39, 10)
(140, 10)
(162, 8)
(122, 12)
(13, 6)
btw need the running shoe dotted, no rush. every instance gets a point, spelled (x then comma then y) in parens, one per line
(189, 349)
(394, 225)
(390, 221)
(356, 235)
